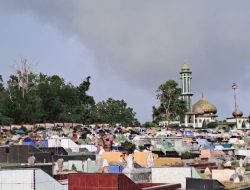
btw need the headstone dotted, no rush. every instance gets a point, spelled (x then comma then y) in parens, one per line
(150, 160)
(130, 162)
(73, 168)
(230, 153)
(31, 160)
(240, 171)
(129, 166)
(60, 164)
(207, 172)
(241, 163)
(237, 180)
(222, 175)
(228, 164)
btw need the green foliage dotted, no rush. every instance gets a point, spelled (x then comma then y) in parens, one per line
(30, 98)
(77, 128)
(149, 124)
(212, 125)
(171, 106)
(23, 128)
(45, 98)
(141, 148)
(187, 155)
(115, 111)
(41, 129)
(1, 83)
(128, 146)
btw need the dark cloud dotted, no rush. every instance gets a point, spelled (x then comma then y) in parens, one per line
(145, 42)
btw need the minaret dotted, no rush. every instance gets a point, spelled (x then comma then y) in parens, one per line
(186, 86)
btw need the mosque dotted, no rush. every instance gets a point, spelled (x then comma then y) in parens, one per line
(203, 112)
(238, 118)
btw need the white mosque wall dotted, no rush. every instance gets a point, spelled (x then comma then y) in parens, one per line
(197, 121)
(200, 120)
(240, 122)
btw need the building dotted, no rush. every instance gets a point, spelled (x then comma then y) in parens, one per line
(240, 121)
(186, 86)
(202, 112)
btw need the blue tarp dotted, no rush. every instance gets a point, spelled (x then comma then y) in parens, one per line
(226, 145)
(20, 131)
(29, 141)
(202, 142)
(189, 133)
(43, 143)
(212, 147)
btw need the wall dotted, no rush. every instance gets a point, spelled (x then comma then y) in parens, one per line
(112, 182)
(93, 181)
(173, 175)
(63, 142)
(16, 179)
(23, 179)
(46, 182)
(141, 158)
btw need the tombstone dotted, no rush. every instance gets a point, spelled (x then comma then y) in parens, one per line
(230, 153)
(237, 180)
(129, 166)
(246, 160)
(60, 164)
(31, 160)
(241, 163)
(240, 171)
(105, 166)
(228, 164)
(207, 172)
(130, 162)
(150, 160)
(73, 168)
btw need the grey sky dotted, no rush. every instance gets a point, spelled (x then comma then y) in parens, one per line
(130, 47)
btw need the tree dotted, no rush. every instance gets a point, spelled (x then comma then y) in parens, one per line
(1, 84)
(171, 106)
(86, 102)
(212, 125)
(115, 111)
(30, 97)
(149, 124)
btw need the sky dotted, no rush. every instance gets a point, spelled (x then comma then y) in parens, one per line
(131, 47)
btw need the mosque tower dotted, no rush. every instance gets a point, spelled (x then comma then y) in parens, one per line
(186, 86)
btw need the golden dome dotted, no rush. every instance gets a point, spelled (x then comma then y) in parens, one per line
(203, 106)
(237, 113)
